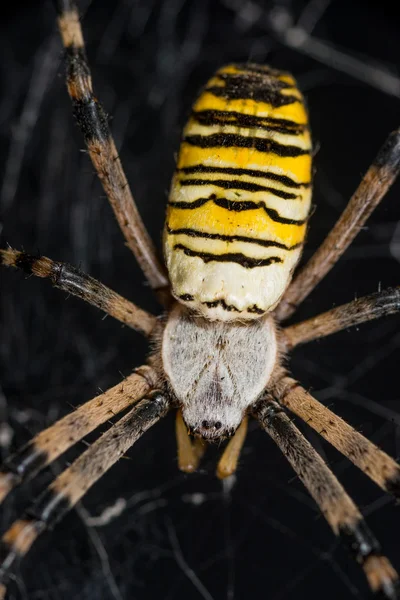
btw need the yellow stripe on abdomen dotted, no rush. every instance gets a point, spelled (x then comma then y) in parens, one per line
(298, 167)
(258, 223)
(241, 194)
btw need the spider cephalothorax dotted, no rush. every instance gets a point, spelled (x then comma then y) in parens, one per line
(217, 369)
(234, 232)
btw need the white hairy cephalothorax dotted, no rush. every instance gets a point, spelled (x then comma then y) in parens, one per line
(217, 369)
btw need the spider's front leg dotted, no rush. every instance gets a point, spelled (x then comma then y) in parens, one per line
(337, 507)
(69, 487)
(92, 121)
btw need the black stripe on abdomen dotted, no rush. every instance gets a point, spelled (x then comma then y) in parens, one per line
(241, 259)
(237, 119)
(253, 86)
(231, 238)
(235, 184)
(232, 140)
(237, 206)
(284, 179)
(228, 307)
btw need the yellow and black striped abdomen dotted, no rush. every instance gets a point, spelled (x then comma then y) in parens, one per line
(241, 194)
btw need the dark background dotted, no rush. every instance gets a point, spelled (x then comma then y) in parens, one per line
(175, 536)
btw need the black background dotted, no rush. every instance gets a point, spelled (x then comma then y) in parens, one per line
(184, 536)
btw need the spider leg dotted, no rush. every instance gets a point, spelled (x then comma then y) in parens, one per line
(69, 487)
(92, 121)
(369, 193)
(337, 507)
(375, 463)
(189, 453)
(50, 443)
(71, 280)
(363, 309)
(228, 462)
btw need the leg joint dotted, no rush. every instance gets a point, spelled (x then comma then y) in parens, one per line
(360, 540)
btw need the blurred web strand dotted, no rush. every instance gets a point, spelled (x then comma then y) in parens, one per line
(45, 66)
(394, 246)
(101, 552)
(188, 571)
(312, 13)
(227, 485)
(107, 515)
(298, 37)
(281, 21)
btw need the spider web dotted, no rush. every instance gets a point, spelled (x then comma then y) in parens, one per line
(145, 530)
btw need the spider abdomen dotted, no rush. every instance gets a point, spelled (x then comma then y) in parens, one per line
(241, 193)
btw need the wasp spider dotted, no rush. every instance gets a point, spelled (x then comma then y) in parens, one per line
(234, 232)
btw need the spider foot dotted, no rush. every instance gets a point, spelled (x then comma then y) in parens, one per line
(382, 577)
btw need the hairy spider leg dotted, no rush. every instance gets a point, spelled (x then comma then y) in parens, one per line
(375, 463)
(69, 279)
(374, 185)
(337, 507)
(50, 443)
(92, 121)
(377, 305)
(73, 483)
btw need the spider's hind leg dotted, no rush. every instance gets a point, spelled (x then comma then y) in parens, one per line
(50, 443)
(73, 483)
(376, 464)
(337, 507)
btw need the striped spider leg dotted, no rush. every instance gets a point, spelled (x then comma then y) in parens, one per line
(92, 121)
(366, 198)
(73, 483)
(337, 507)
(375, 463)
(286, 393)
(71, 280)
(52, 442)
(374, 306)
